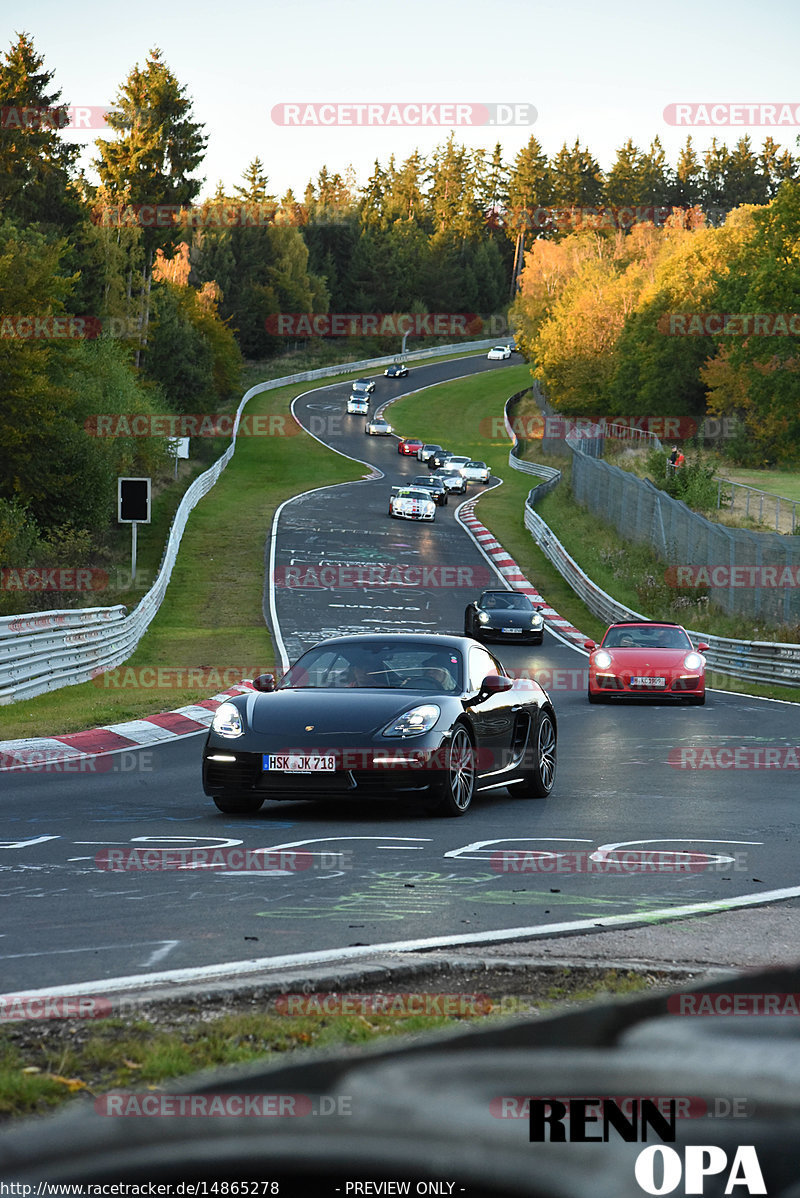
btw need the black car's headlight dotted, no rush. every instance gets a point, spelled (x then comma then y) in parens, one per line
(414, 722)
(482, 617)
(227, 721)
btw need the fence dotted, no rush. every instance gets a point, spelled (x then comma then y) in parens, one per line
(641, 512)
(738, 497)
(43, 651)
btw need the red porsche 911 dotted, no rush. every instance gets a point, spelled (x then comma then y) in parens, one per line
(643, 659)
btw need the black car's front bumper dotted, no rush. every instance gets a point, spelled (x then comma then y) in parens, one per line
(406, 770)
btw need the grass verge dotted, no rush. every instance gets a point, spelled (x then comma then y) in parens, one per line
(45, 1064)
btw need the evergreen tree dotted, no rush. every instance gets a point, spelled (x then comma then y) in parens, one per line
(152, 161)
(36, 164)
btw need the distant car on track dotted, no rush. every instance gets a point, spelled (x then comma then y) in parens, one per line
(396, 371)
(477, 472)
(646, 659)
(358, 405)
(504, 616)
(499, 353)
(427, 451)
(409, 445)
(364, 385)
(378, 427)
(439, 458)
(433, 484)
(453, 479)
(405, 715)
(412, 503)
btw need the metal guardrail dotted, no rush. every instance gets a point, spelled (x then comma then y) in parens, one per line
(768, 662)
(43, 651)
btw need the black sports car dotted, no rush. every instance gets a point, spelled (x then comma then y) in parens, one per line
(433, 484)
(396, 371)
(504, 616)
(400, 714)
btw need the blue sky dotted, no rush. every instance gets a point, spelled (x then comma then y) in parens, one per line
(596, 71)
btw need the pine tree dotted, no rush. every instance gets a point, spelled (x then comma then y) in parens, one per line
(36, 164)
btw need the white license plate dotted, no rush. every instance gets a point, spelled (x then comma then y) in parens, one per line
(636, 680)
(299, 763)
(511, 630)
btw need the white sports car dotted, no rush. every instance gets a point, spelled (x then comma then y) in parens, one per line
(477, 472)
(499, 353)
(412, 503)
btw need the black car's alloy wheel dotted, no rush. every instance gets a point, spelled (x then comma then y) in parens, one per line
(541, 772)
(459, 783)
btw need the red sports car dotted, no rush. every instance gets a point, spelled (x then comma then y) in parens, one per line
(409, 445)
(642, 658)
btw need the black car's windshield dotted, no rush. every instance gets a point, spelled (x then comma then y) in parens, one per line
(410, 666)
(505, 601)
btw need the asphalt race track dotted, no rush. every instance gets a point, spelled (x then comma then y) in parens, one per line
(382, 873)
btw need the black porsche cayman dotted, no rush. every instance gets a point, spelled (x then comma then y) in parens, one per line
(397, 714)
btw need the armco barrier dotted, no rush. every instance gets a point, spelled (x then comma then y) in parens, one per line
(43, 651)
(769, 662)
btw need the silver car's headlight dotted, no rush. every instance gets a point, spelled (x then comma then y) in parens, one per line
(602, 659)
(227, 721)
(414, 722)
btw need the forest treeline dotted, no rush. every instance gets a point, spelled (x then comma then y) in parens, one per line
(131, 295)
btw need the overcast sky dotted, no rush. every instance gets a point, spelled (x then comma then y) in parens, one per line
(601, 72)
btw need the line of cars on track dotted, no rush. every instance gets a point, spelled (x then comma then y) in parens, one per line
(449, 474)
(426, 715)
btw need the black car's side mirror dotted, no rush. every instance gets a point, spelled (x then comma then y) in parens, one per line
(494, 684)
(264, 682)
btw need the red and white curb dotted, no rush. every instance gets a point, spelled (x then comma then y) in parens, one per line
(43, 751)
(505, 565)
